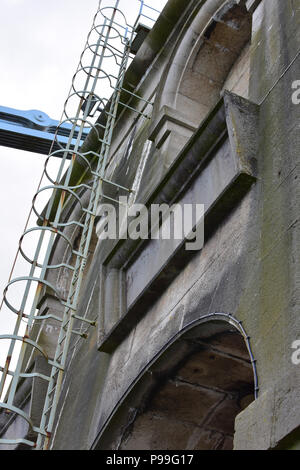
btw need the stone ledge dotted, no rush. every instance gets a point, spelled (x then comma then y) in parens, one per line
(167, 121)
(234, 118)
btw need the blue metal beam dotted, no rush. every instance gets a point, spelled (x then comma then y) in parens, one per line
(32, 131)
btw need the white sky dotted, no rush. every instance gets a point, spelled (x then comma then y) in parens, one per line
(40, 45)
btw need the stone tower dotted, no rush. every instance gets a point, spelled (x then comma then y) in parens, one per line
(194, 349)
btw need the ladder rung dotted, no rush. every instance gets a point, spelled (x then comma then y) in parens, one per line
(109, 114)
(88, 212)
(58, 357)
(57, 365)
(52, 390)
(48, 409)
(77, 253)
(66, 324)
(62, 340)
(83, 335)
(90, 322)
(57, 370)
(65, 304)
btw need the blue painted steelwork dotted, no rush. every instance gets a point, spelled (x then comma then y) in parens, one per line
(34, 131)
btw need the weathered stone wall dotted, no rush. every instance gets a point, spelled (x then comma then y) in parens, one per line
(276, 41)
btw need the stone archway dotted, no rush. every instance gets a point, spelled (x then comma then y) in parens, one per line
(197, 387)
(217, 49)
(212, 53)
(208, 47)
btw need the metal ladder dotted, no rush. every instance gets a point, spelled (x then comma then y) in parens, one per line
(81, 257)
(50, 221)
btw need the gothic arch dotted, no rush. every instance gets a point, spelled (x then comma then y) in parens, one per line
(205, 52)
(188, 396)
(211, 53)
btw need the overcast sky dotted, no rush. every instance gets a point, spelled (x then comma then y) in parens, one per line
(40, 45)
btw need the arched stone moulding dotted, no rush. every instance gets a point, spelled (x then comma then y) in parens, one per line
(207, 49)
(169, 354)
